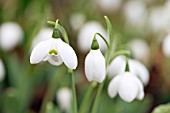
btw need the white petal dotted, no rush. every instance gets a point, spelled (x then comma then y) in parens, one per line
(127, 88)
(139, 70)
(67, 54)
(55, 60)
(95, 68)
(2, 70)
(117, 66)
(166, 45)
(40, 51)
(113, 86)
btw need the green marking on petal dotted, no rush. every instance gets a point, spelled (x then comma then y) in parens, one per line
(53, 51)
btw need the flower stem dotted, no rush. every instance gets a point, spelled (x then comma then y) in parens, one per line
(85, 103)
(73, 91)
(50, 93)
(97, 99)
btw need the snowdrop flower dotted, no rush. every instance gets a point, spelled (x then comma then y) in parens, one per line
(55, 51)
(86, 33)
(109, 5)
(95, 67)
(135, 12)
(127, 85)
(166, 45)
(77, 20)
(138, 44)
(42, 35)
(11, 34)
(64, 98)
(2, 70)
(118, 65)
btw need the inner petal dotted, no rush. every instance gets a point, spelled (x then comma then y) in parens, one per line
(55, 60)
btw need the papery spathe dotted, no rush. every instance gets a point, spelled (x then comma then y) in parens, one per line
(95, 68)
(55, 51)
(11, 35)
(127, 86)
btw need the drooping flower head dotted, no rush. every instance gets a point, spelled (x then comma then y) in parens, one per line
(95, 67)
(127, 85)
(55, 51)
(166, 45)
(11, 34)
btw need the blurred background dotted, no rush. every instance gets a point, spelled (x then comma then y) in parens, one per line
(142, 26)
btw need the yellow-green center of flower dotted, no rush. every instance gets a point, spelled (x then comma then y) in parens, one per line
(53, 51)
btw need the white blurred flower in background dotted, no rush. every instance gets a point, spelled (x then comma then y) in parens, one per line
(127, 85)
(42, 35)
(64, 98)
(77, 20)
(11, 34)
(109, 5)
(140, 49)
(166, 45)
(86, 35)
(135, 13)
(95, 67)
(2, 70)
(118, 65)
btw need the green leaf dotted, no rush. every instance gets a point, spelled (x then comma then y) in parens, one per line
(51, 108)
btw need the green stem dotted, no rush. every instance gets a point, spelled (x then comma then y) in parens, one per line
(50, 93)
(102, 39)
(98, 96)
(73, 91)
(85, 103)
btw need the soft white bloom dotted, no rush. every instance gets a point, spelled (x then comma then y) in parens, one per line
(55, 51)
(135, 12)
(95, 67)
(77, 20)
(2, 70)
(11, 34)
(42, 35)
(118, 65)
(138, 44)
(166, 45)
(127, 85)
(109, 5)
(86, 36)
(64, 98)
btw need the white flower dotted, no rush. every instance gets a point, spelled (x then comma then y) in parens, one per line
(2, 70)
(138, 44)
(118, 65)
(109, 5)
(64, 98)
(95, 68)
(86, 36)
(77, 20)
(127, 86)
(42, 35)
(11, 34)
(55, 51)
(166, 45)
(135, 12)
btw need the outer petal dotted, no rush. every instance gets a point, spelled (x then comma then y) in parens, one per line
(95, 67)
(117, 66)
(127, 89)
(140, 70)
(113, 86)
(40, 51)
(67, 54)
(166, 46)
